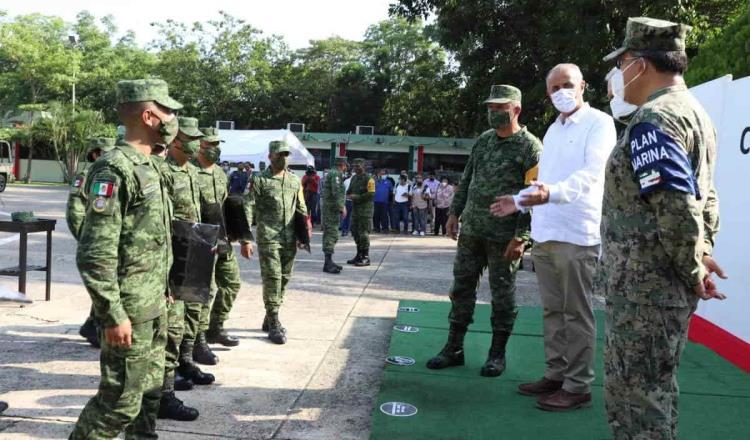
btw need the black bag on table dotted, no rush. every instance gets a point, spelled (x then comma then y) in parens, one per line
(193, 246)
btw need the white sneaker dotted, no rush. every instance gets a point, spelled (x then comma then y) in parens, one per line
(421, 234)
(415, 233)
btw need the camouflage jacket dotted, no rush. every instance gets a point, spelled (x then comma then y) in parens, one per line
(124, 252)
(660, 212)
(182, 186)
(362, 192)
(272, 201)
(213, 185)
(332, 192)
(496, 166)
(75, 211)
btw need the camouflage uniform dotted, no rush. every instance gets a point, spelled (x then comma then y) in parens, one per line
(334, 199)
(362, 192)
(75, 213)
(124, 255)
(660, 216)
(272, 202)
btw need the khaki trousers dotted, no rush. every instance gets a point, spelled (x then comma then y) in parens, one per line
(565, 272)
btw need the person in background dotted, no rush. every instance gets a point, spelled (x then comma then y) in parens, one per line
(226, 168)
(443, 199)
(420, 197)
(431, 183)
(346, 222)
(238, 180)
(383, 190)
(311, 188)
(391, 204)
(401, 205)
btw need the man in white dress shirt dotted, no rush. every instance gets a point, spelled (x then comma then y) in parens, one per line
(565, 230)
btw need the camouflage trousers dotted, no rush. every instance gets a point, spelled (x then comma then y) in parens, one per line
(227, 278)
(331, 222)
(361, 228)
(193, 312)
(473, 255)
(642, 350)
(276, 264)
(130, 387)
(175, 332)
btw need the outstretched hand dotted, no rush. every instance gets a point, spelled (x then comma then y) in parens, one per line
(503, 206)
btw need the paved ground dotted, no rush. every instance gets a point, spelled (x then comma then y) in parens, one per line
(320, 385)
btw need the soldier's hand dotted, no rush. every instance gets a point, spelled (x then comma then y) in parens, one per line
(452, 226)
(246, 250)
(707, 290)
(119, 335)
(170, 299)
(504, 205)
(713, 267)
(514, 250)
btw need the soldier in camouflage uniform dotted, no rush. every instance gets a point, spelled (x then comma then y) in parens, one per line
(503, 161)
(362, 194)
(660, 218)
(180, 177)
(272, 198)
(76, 212)
(124, 254)
(334, 209)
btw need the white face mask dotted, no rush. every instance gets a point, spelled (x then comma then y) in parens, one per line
(620, 107)
(565, 100)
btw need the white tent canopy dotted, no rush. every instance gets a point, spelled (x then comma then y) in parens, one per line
(252, 146)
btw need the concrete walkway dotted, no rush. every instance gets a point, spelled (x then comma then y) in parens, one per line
(320, 385)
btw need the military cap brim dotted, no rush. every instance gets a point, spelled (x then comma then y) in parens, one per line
(615, 54)
(192, 132)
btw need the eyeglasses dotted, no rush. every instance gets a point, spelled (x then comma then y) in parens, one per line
(620, 61)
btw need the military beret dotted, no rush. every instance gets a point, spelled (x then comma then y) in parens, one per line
(642, 33)
(503, 94)
(278, 147)
(189, 126)
(140, 90)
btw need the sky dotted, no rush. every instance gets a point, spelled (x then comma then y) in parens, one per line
(298, 21)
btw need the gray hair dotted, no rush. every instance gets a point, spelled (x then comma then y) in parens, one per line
(575, 70)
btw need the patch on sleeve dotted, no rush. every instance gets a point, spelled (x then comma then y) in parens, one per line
(103, 188)
(531, 175)
(659, 162)
(103, 193)
(370, 186)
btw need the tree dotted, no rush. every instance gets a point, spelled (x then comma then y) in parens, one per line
(518, 41)
(724, 53)
(29, 117)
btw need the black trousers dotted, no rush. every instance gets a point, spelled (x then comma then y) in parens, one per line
(441, 218)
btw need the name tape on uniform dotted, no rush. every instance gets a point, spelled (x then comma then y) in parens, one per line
(398, 409)
(408, 309)
(405, 328)
(400, 360)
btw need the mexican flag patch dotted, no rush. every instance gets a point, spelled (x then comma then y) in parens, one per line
(650, 178)
(104, 189)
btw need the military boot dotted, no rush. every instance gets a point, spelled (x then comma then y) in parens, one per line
(174, 409)
(182, 383)
(356, 258)
(90, 332)
(217, 335)
(495, 364)
(191, 372)
(330, 267)
(452, 355)
(364, 260)
(276, 332)
(202, 352)
(265, 324)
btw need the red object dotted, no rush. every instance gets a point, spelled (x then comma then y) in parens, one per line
(17, 161)
(342, 149)
(310, 183)
(725, 344)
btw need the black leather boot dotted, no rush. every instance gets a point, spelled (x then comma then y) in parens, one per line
(174, 409)
(276, 332)
(202, 352)
(452, 355)
(356, 258)
(330, 267)
(495, 364)
(364, 259)
(90, 332)
(182, 383)
(217, 335)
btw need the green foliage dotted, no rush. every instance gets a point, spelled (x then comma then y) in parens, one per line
(727, 52)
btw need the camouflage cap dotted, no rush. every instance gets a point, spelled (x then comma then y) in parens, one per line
(278, 147)
(189, 126)
(210, 134)
(650, 33)
(503, 94)
(359, 161)
(140, 90)
(101, 143)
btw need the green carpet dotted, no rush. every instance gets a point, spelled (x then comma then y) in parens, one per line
(457, 403)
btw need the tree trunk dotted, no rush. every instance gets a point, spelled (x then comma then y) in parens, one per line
(31, 157)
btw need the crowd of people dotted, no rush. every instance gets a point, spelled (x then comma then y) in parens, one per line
(633, 215)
